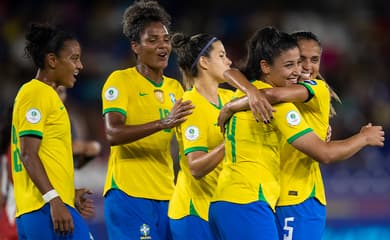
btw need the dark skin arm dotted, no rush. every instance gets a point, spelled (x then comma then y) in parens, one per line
(117, 132)
(329, 152)
(61, 217)
(257, 101)
(201, 163)
(293, 93)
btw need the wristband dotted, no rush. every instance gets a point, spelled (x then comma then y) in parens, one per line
(48, 196)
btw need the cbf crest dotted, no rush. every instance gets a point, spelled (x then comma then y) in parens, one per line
(159, 94)
(144, 231)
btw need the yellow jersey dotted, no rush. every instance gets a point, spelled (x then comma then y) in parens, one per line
(143, 168)
(200, 132)
(251, 168)
(301, 175)
(43, 116)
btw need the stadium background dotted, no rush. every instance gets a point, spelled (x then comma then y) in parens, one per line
(356, 59)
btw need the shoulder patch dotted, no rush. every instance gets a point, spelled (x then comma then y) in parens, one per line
(192, 133)
(111, 94)
(311, 82)
(33, 115)
(293, 118)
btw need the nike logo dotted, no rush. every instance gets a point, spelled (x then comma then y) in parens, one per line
(62, 108)
(141, 94)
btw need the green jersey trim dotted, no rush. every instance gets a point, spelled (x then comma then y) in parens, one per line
(309, 89)
(219, 107)
(193, 211)
(231, 136)
(154, 83)
(261, 194)
(113, 183)
(120, 110)
(193, 149)
(31, 132)
(313, 192)
(300, 134)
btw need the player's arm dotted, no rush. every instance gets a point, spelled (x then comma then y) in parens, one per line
(201, 163)
(257, 101)
(61, 217)
(328, 152)
(117, 132)
(293, 93)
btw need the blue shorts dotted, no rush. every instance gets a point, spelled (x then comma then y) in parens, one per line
(242, 221)
(190, 228)
(305, 221)
(135, 218)
(38, 225)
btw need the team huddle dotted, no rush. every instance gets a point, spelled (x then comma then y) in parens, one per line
(249, 159)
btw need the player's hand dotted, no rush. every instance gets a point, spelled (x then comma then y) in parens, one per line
(61, 217)
(84, 205)
(177, 114)
(224, 115)
(262, 110)
(375, 136)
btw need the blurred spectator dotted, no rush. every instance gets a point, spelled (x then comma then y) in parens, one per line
(7, 202)
(83, 150)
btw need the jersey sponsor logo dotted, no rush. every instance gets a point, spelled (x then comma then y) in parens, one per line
(33, 115)
(111, 94)
(311, 82)
(172, 97)
(293, 118)
(141, 94)
(192, 133)
(144, 230)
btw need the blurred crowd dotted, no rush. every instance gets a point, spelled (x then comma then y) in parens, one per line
(355, 62)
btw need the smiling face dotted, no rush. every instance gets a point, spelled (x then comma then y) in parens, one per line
(68, 64)
(285, 69)
(310, 57)
(154, 47)
(217, 62)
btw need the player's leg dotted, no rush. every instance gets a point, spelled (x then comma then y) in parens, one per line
(191, 228)
(129, 217)
(36, 225)
(81, 229)
(242, 221)
(163, 228)
(305, 221)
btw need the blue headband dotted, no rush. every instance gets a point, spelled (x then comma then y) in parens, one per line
(202, 51)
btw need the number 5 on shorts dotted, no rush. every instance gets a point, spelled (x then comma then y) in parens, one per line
(289, 229)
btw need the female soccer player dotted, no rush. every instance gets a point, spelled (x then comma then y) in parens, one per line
(249, 182)
(202, 60)
(42, 163)
(140, 108)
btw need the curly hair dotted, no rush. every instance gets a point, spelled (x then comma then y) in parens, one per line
(140, 14)
(43, 38)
